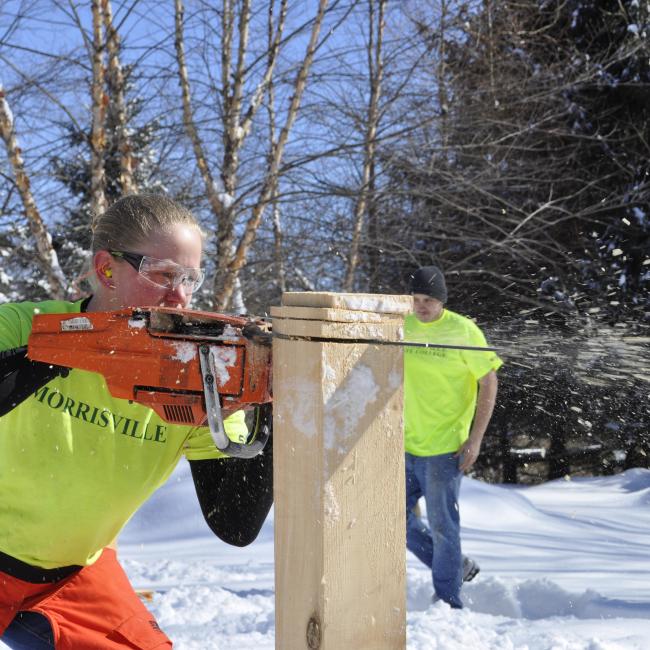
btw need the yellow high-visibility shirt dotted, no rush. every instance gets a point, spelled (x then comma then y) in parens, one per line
(76, 462)
(440, 385)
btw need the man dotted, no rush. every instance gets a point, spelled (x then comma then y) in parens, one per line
(449, 396)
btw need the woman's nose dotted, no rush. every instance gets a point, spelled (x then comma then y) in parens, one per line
(178, 296)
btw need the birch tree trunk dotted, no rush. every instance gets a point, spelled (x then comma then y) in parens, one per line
(237, 121)
(46, 255)
(271, 176)
(211, 190)
(99, 103)
(116, 85)
(376, 71)
(275, 207)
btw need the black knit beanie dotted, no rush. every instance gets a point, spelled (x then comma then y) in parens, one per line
(429, 281)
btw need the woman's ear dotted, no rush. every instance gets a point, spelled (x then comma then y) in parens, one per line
(103, 267)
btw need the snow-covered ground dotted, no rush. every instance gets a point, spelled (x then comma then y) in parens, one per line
(565, 566)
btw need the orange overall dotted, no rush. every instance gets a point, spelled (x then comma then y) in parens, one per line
(95, 608)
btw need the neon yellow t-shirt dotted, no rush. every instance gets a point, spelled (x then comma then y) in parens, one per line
(440, 385)
(76, 463)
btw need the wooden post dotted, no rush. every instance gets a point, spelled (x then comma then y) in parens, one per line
(339, 473)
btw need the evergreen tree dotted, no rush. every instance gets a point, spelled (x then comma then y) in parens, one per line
(535, 178)
(529, 187)
(74, 171)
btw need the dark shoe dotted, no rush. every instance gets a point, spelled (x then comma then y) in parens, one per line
(470, 569)
(454, 605)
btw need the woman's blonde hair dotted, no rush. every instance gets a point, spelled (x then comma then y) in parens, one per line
(134, 219)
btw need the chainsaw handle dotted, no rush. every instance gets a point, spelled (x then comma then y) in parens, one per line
(248, 450)
(215, 416)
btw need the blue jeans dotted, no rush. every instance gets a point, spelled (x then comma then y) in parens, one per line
(29, 631)
(437, 478)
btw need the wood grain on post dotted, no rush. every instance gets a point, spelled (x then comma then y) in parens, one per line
(339, 472)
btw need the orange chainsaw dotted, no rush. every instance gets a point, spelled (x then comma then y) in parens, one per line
(186, 365)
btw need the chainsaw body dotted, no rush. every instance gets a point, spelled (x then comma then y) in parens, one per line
(186, 365)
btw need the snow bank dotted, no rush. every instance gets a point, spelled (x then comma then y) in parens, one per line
(564, 566)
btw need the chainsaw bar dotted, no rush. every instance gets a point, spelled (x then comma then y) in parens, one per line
(406, 344)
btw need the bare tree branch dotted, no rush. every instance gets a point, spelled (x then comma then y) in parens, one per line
(253, 222)
(375, 78)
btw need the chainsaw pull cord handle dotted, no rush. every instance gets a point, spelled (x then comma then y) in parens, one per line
(215, 417)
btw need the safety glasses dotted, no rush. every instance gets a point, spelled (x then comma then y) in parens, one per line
(163, 273)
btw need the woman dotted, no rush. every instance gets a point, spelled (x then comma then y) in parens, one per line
(70, 480)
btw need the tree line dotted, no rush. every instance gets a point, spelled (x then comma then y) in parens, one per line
(339, 144)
